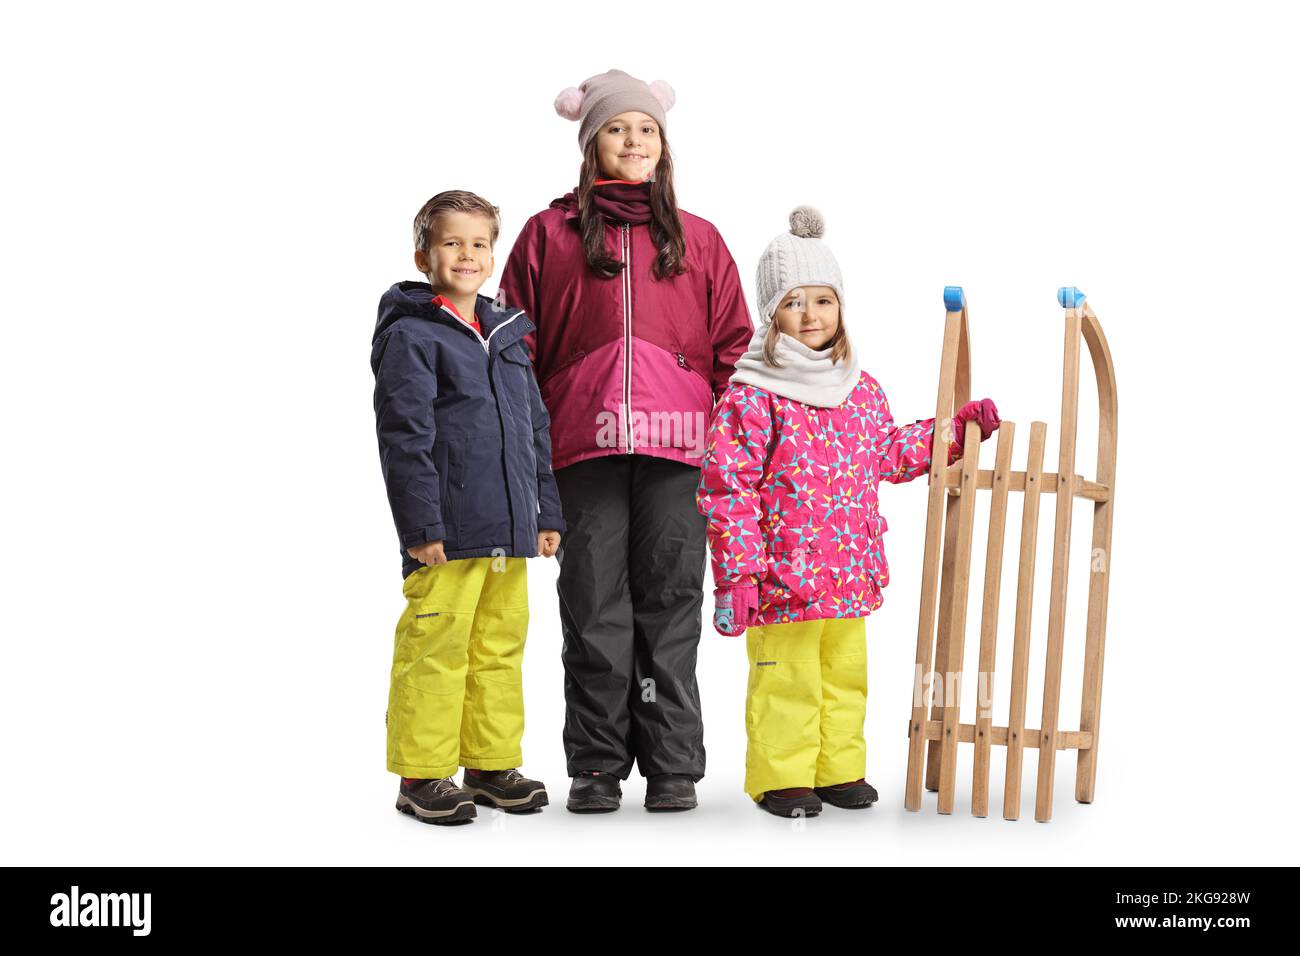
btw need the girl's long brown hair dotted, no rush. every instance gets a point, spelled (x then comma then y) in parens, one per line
(665, 222)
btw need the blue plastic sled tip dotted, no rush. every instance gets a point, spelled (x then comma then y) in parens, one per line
(953, 298)
(1069, 297)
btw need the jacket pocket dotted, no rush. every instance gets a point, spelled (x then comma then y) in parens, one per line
(685, 365)
(879, 565)
(483, 508)
(577, 356)
(795, 565)
(515, 373)
(517, 354)
(448, 459)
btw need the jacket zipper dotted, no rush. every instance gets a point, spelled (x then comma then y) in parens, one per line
(487, 351)
(482, 341)
(688, 367)
(627, 334)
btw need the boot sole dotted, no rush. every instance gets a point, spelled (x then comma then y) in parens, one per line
(671, 806)
(593, 805)
(789, 813)
(845, 806)
(535, 800)
(462, 812)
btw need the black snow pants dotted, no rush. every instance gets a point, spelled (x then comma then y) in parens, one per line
(632, 566)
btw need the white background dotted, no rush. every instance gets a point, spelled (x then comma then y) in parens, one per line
(203, 204)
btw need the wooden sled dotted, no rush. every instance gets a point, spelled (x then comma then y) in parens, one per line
(933, 740)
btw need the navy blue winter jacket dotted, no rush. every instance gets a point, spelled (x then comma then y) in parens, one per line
(464, 438)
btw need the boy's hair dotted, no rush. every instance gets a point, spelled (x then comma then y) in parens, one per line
(839, 343)
(453, 200)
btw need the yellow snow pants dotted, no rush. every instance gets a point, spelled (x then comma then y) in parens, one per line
(806, 703)
(455, 696)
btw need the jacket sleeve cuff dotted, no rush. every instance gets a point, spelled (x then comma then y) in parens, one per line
(421, 536)
(550, 523)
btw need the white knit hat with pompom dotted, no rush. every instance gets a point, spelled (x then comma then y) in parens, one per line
(797, 258)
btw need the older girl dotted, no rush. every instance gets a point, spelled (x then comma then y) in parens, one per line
(640, 317)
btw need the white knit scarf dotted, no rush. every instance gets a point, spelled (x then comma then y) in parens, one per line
(806, 375)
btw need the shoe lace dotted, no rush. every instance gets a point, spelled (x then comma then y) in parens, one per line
(501, 777)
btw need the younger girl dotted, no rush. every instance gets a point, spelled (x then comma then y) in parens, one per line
(796, 448)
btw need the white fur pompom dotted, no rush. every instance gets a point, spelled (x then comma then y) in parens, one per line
(569, 103)
(807, 223)
(664, 93)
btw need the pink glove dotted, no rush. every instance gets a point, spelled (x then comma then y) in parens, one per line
(734, 608)
(983, 412)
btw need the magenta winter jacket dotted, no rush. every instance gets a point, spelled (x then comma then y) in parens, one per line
(631, 364)
(789, 491)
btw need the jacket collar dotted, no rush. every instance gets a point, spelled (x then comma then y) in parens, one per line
(501, 326)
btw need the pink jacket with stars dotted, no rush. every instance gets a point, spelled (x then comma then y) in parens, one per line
(789, 492)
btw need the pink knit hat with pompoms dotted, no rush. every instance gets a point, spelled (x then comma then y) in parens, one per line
(605, 95)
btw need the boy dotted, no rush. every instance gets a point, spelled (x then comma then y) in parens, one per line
(466, 451)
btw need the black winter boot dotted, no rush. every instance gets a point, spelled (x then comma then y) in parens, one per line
(791, 802)
(435, 801)
(594, 792)
(669, 791)
(855, 795)
(507, 790)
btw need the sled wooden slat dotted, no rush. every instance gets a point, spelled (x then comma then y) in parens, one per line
(1085, 775)
(947, 572)
(955, 346)
(1091, 490)
(1017, 738)
(952, 672)
(947, 407)
(1060, 572)
(933, 737)
(1065, 739)
(984, 683)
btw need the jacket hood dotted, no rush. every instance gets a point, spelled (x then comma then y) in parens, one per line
(401, 300)
(568, 202)
(413, 298)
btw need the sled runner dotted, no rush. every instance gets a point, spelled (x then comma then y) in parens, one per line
(945, 582)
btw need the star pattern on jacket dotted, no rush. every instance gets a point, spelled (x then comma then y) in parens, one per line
(789, 493)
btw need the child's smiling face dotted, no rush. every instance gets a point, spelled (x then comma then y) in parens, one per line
(809, 313)
(629, 147)
(459, 258)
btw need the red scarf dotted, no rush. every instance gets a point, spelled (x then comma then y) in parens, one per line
(622, 201)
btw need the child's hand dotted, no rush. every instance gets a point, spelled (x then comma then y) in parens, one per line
(430, 553)
(983, 412)
(734, 609)
(548, 542)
